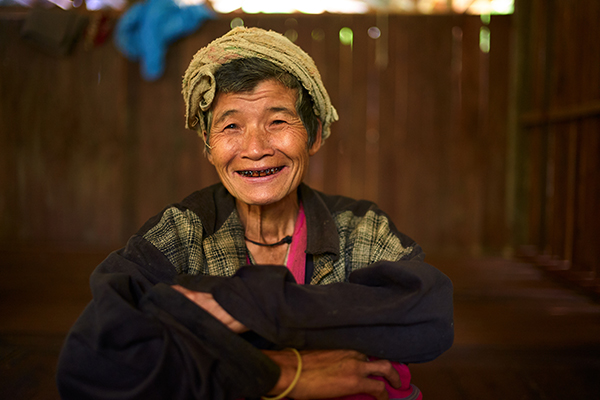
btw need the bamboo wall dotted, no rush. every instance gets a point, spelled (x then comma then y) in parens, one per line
(89, 151)
(559, 136)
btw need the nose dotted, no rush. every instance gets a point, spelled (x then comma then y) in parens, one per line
(256, 143)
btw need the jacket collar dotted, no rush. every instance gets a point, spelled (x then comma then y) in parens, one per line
(322, 232)
(213, 205)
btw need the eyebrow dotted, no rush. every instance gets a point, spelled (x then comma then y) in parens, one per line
(234, 111)
(283, 110)
(225, 115)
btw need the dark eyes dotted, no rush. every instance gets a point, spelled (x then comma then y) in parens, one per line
(277, 122)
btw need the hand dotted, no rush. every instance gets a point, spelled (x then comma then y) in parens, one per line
(332, 373)
(209, 304)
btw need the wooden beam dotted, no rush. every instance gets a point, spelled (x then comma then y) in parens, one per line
(558, 115)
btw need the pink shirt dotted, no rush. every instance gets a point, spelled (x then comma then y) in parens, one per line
(296, 257)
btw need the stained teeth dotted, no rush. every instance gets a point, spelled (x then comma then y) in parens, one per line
(265, 172)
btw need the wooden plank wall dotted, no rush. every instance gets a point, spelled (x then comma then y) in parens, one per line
(89, 150)
(560, 122)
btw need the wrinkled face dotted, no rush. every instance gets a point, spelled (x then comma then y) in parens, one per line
(259, 144)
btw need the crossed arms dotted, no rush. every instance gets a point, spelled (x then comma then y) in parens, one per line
(142, 337)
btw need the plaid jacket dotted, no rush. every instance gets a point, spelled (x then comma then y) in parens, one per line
(204, 235)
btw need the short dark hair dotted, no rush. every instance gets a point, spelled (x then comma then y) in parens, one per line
(244, 74)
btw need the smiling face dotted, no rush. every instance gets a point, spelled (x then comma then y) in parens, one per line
(259, 144)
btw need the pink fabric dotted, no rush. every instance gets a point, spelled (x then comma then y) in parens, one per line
(296, 261)
(406, 391)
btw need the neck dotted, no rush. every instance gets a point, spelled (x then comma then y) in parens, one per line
(269, 223)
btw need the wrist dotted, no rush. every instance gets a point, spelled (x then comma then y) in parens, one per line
(290, 364)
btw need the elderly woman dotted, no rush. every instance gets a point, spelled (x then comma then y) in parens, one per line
(207, 300)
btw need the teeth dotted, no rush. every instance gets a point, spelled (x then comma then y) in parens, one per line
(256, 174)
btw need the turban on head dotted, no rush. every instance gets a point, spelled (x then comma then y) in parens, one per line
(199, 81)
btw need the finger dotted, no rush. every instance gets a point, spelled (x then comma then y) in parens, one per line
(204, 300)
(190, 294)
(375, 388)
(207, 302)
(385, 369)
(180, 289)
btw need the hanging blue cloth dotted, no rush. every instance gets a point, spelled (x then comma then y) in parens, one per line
(145, 31)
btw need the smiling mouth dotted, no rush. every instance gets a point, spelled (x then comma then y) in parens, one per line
(261, 173)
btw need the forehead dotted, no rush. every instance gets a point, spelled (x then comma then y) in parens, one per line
(267, 94)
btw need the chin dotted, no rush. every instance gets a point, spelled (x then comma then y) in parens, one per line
(262, 199)
(253, 201)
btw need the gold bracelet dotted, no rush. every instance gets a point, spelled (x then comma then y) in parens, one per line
(294, 381)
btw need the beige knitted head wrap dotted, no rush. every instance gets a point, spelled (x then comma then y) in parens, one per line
(199, 82)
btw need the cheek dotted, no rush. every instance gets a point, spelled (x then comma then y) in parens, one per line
(222, 151)
(297, 143)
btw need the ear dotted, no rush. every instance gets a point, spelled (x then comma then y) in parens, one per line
(207, 148)
(318, 141)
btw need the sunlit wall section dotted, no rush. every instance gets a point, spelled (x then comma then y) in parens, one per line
(479, 7)
(364, 6)
(307, 6)
(291, 6)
